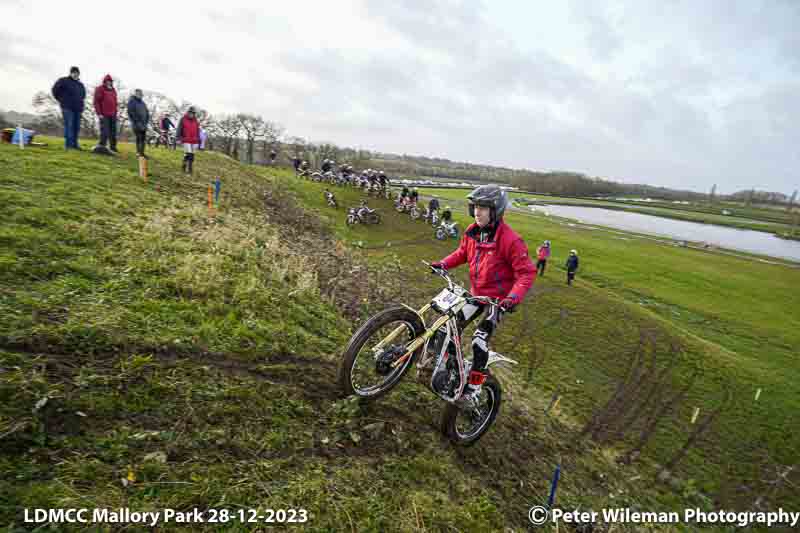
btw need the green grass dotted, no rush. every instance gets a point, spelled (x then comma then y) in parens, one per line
(197, 355)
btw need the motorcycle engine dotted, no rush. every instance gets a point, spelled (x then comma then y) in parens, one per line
(445, 381)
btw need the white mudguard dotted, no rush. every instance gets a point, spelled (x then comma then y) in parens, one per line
(496, 358)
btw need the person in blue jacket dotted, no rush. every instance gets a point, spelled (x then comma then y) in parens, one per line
(70, 94)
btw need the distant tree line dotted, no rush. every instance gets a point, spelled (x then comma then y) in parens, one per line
(250, 138)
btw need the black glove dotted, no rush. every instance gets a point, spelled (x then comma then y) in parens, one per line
(507, 304)
(438, 265)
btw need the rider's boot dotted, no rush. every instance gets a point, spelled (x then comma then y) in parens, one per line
(480, 357)
(474, 384)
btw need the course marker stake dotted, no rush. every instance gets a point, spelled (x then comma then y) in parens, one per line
(553, 487)
(143, 168)
(695, 414)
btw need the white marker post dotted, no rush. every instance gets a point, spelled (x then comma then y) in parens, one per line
(758, 394)
(21, 134)
(694, 416)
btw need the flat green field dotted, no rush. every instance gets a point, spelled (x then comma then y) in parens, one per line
(154, 354)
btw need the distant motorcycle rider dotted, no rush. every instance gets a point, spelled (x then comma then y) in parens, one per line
(433, 205)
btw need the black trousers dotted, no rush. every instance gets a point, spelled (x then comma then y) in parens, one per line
(141, 140)
(570, 276)
(108, 132)
(482, 334)
(540, 266)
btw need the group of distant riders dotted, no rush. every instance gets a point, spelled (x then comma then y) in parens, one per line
(375, 183)
(445, 226)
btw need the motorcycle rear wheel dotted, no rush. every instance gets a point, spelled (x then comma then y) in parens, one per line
(480, 418)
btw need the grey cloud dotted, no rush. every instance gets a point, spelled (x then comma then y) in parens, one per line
(599, 31)
(459, 88)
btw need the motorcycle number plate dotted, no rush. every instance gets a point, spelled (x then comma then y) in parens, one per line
(445, 300)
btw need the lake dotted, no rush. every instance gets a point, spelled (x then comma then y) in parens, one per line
(756, 242)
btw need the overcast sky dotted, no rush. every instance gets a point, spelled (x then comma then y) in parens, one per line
(675, 93)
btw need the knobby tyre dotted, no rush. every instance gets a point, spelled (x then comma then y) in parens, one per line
(359, 364)
(462, 425)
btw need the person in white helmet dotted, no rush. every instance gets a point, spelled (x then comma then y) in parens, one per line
(572, 266)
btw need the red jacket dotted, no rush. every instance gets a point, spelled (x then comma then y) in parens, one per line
(498, 269)
(188, 130)
(105, 100)
(543, 252)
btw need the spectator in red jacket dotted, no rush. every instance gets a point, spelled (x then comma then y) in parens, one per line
(105, 105)
(542, 255)
(188, 133)
(499, 267)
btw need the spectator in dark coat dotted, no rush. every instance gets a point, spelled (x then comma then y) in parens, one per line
(105, 104)
(572, 266)
(139, 117)
(71, 94)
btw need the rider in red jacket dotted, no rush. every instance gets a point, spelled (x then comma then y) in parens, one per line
(499, 267)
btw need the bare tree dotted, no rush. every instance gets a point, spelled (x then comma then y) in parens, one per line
(298, 147)
(271, 134)
(51, 119)
(227, 129)
(252, 127)
(158, 104)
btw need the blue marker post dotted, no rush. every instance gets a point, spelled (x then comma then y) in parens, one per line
(553, 487)
(217, 187)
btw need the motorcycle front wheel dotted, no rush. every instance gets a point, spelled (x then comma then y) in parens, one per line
(366, 369)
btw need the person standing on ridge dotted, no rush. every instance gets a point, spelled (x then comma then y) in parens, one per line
(139, 117)
(499, 267)
(188, 134)
(105, 105)
(70, 94)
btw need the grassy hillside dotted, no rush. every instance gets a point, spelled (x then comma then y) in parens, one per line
(193, 354)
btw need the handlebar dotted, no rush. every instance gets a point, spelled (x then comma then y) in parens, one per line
(481, 300)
